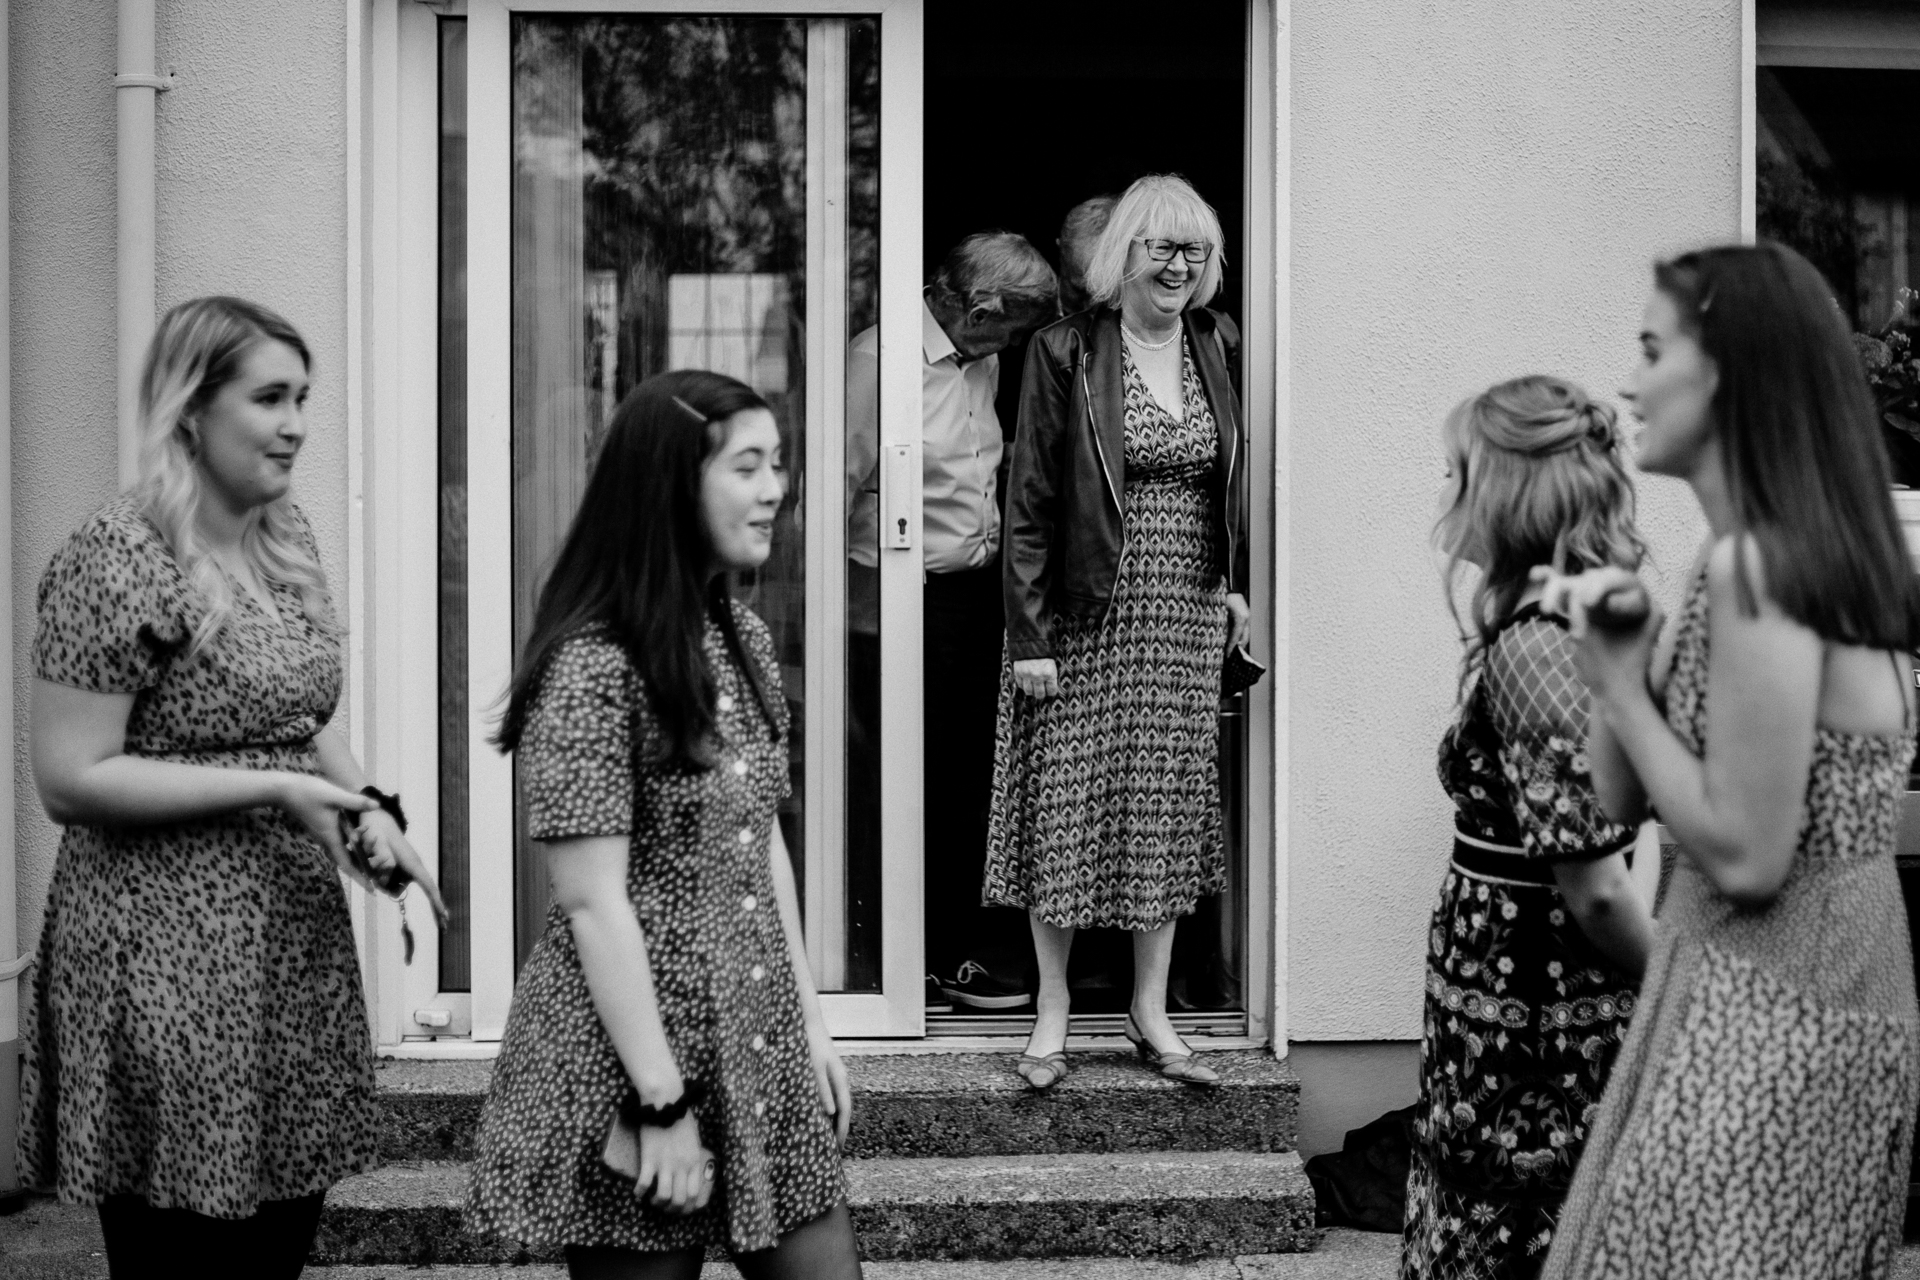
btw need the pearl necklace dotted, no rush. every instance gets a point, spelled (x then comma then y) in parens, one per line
(1139, 341)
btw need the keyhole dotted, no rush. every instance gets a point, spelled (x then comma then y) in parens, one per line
(903, 526)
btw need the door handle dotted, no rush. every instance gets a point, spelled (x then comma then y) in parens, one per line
(896, 497)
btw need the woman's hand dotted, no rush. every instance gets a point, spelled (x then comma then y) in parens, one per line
(1037, 677)
(1613, 664)
(1239, 618)
(676, 1171)
(830, 1074)
(387, 851)
(316, 805)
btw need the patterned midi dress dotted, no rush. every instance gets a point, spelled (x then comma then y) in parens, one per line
(198, 1034)
(702, 887)
(1761, 1113)
(1106, 799)
(1523, 1013)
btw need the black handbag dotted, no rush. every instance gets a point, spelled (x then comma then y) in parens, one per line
(1240, 672)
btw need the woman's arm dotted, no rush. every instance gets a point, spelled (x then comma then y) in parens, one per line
(589, 878)
(1737, 811)
(1608, 909)
(85, 777)
(1614, 779)
(386, 847)
(1033, 482)
(836, 1096)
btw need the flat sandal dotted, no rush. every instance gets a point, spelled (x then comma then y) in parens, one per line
(1042, 1074)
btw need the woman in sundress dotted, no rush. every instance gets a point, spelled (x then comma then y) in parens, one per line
(1125, 574)
(1761, 1112)
(1539, 937)
(198, 1062)
(667, 1083)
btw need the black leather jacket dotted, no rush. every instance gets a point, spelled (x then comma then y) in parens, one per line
(1063, 538)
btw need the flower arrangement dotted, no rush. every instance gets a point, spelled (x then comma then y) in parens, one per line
(1893, 369)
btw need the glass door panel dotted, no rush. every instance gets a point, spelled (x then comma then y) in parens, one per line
(704, 192)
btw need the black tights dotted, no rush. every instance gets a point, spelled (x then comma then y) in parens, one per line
(823, 1249)
(144, 1241)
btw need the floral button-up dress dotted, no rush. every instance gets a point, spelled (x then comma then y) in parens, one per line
(702, 887)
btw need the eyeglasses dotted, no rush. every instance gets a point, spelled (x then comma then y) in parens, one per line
(1194, 251)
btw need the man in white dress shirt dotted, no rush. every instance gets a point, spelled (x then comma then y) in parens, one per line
(992, 291)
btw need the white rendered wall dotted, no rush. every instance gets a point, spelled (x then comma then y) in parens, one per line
(1478, 189)
(252, 200)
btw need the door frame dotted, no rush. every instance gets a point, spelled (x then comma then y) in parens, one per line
(393, 473)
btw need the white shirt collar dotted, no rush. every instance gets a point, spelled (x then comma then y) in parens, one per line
(934, 342)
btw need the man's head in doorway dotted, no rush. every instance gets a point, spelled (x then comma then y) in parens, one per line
(1079, 233)
(992, 291)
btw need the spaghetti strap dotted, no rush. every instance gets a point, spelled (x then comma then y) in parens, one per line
(1906, 699)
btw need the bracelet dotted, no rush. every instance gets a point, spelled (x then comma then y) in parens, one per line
(391, 803)
(636, 1114)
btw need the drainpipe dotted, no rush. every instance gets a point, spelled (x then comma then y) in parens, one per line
(136, 89)
(10, 968)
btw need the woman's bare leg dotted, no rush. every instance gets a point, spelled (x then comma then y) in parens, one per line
(824, 1249)
(1051, 947)
(1152, 957)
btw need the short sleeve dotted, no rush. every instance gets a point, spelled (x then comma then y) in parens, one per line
(108, 622)
(1539, 706)
(576, 749)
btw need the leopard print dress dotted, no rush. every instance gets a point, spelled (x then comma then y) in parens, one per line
(198, 1035)
(1761, 1112)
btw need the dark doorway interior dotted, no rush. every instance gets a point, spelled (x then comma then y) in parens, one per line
(1032, 106)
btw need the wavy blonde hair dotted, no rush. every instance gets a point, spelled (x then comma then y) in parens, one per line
(197, 349)
(1538, 480)
(1160, 206)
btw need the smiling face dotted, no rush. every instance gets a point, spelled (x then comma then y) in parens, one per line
(1158, 291)
(1670, 391)
(250, 432)
(741, 488)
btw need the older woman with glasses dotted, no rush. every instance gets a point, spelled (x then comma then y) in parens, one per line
(1125, 572)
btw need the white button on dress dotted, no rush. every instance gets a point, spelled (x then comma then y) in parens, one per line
(725, 702)
(749, 902)
(759, 1044)
(757, 973)
(746, 836)
(739, 768)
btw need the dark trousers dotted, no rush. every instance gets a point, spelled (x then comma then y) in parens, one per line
(963, 634)
(144, 1241)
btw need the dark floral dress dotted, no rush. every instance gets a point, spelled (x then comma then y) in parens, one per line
(198, 1032)
(1106, 799)
(702, 887)
(1523, 1013)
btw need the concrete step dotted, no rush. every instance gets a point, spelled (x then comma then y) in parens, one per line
(1218, 1204)
(941, 1104)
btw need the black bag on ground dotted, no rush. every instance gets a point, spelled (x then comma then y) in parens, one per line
(1364, 1184)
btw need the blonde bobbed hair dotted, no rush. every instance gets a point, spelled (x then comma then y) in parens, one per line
(1160, 206)
(1538, 480)
(197, 349)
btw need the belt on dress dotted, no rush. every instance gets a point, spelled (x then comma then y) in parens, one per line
(1488, 861)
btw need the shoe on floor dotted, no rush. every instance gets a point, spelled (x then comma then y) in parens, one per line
(937, 999)
(974, 986)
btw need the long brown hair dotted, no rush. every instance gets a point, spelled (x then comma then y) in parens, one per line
(1539, 480)
(1806, 469)
(636, 563)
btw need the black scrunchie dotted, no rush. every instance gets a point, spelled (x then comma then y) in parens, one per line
(636, 1114)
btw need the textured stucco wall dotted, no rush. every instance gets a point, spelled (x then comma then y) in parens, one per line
(1477, 190)
(252, 200)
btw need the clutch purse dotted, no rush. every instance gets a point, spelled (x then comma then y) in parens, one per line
(1240, 672)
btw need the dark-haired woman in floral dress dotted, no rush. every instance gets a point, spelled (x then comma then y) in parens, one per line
(1539, 938)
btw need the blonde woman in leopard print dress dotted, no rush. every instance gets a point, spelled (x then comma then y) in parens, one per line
(1760, 1118)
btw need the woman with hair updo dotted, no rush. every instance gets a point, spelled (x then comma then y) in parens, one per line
(1125, 577)
(1539, 937)
(198, 1063)
(1762, 1109)
(667, 1084)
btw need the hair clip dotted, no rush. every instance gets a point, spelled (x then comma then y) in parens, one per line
(698, 416)
(1706, 303)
